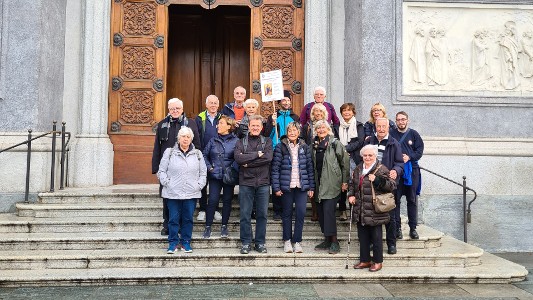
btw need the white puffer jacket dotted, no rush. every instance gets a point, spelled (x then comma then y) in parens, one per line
(182, 175)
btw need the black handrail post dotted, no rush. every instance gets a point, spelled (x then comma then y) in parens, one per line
(62, 177)
(52, 171)
(465, 234)
(28, 161)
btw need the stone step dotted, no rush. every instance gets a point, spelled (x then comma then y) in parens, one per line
(429, 238)
(456, 254)
(492, 269)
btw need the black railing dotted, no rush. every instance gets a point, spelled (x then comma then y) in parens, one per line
(467, 215)
(65, 140)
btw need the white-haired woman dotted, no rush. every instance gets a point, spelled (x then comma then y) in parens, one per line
(182, 173)
(250, 109)
(369, 223)
(332, 168)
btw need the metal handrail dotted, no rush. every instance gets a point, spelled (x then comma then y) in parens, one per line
(467, 216)
(64, 151)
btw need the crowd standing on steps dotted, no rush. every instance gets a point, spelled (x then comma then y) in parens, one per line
(316, 157)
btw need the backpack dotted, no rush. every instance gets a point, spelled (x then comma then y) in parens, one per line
(245, 143)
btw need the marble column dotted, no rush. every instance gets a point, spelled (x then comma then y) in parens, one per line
(92, 153)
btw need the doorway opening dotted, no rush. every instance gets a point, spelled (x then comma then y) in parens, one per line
(208, 53)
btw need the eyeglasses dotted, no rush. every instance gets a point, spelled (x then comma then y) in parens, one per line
(377, 109)
(401, 120)
(175, 108)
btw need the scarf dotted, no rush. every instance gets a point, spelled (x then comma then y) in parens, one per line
(347, 130)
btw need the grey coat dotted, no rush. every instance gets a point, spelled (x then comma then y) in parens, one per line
(182, 175)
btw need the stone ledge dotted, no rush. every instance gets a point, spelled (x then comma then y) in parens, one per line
(459, 146)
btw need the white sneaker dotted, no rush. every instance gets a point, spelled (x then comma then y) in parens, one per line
(287, 246)
(218, 216)
(201, 216)
(298, 248)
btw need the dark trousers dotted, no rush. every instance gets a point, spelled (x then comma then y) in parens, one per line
(215, 187)
(410, 195)
(342, 201)
(277, 207)
(326, 216)
(299, 198)
(391, 229)
(165, 209)
(370, 235)
(203, 200)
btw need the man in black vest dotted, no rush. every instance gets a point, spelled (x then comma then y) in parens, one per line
(166, 136)
(412, 149)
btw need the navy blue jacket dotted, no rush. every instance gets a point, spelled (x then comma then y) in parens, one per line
(392, 157)
(370, 128)
(228, 110)
(412, 145)
(220, 150)
(205, 128)
(282, 167)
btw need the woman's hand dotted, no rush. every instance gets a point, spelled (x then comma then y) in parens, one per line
(310, 194)
(351, 199)
(371, 177)
(279, 193)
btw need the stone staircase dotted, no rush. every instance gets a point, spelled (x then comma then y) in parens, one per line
(111, 236)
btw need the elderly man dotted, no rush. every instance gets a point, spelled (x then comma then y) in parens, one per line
(166, 136)
(207, 122)
(412, 149)
(319, 95)
(253, 153)
(390, 155)
(235, 109)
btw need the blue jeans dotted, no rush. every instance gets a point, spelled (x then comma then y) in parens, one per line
(180, 220)
(299, 198)
(215, 186)
(248, 195)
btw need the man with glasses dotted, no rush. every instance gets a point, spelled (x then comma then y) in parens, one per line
(166, 136)
(412, 150)
(319, 95)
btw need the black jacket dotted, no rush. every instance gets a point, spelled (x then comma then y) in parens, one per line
(254, 170)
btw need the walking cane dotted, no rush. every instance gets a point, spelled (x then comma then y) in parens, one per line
(349, 236)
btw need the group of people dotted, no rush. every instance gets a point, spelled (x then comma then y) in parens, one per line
(316, 157)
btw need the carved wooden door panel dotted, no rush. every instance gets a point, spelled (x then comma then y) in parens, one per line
(277, 43)
(137, 94)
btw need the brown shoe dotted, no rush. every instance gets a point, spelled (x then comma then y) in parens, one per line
(375, 267)
(362, 265)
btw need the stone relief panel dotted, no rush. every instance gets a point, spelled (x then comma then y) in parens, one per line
(137, 107)
(139, 18)
(467, 49)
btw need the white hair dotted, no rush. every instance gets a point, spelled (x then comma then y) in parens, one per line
(325, 124)
(320, 88)
(321, 107)
(184, 131)
(175, 100)
(210, 96)
(251, 101)
(373, 148)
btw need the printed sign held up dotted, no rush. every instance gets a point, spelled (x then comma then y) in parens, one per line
(271, 86)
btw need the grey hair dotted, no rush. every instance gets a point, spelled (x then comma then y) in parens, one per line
(320, 88)
(326, 124)
(251, 101)
(184, 130)
(387, 120)
(255, 117)
(373, 148)
(175, 100)
(322, 108)
(210, 96)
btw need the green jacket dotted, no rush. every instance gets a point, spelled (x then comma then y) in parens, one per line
(335, 170)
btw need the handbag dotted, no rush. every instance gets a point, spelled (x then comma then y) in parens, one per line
(382, 203)
(230, 176)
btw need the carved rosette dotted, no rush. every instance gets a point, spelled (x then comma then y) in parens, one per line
(139, 18)
(267, 109)
(137, 107)
(278, 22)
(256, 87)
(138, 62)
(278, 59)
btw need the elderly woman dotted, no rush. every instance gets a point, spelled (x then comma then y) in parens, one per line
(352, 137)
(369, 223)
(293, 180)
(318, 113)
(182, 173)
(332, 167)
(250, 109)
(377, 111)
(218, 155)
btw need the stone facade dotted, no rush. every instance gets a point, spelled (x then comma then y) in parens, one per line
(54, 66)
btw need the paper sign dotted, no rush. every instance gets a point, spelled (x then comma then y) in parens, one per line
(271, 86)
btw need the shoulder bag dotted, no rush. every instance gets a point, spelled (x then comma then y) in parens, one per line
(382, 203)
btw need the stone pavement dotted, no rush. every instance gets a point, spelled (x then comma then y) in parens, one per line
(520, 290)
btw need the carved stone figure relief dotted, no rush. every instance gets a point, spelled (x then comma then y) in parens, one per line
(467, 49)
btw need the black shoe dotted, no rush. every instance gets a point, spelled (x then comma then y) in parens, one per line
(253, 215)
(245, 249)
(164, 231)
(392, 249)
(413, 234)
(399, 234)
(261, 248)
(277, 217)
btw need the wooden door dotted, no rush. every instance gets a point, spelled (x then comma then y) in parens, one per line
(141, 81)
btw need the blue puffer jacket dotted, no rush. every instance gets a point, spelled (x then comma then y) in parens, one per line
(219, 151)
(282, 167)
